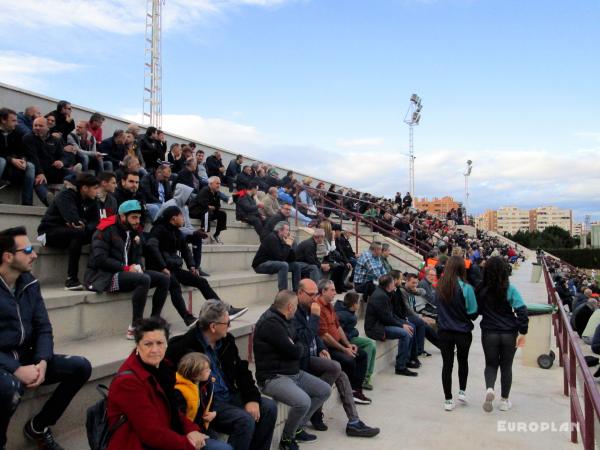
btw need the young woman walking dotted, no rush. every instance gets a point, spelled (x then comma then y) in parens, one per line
(457, 307)
(503, 327)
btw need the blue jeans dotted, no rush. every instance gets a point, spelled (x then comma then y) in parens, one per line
(281, 268)
(25, 177)
(419, 336)
(405, 341)
(309, 271)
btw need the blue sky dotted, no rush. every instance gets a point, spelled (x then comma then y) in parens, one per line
(323, 85)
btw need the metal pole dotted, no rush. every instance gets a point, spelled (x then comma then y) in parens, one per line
(411, 165)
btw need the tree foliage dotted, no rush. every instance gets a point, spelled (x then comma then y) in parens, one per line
(551, 237)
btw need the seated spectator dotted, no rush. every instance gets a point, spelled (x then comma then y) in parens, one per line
(70, 221)
(51, 119)
(214, 166)
(270, 203)
(346, 314)
(143, 391)
(234, 168)
(132, 148)
(247, 211)
(113, 148)
(242, 413)
(283, 215)
(317, 361)
(128, 189)
(194, 391)
(27, 359)
(14, 167)
(201, 168)
(156, 188)
(368, 269)
(167, 251)
(386, 251)
(71, 159)
(306, 204)
(278, 357)
(244, 178)
(175, 157)
(276, 255)
(273, 178)
(583, 298)
(353, 360)
(339, 265)
(288, 179)
(64, 121)
(85, 144)
(182, 199)
(207, 207)
(581, 315)
(151, 148)
(381, 324)
(428, 285)
(106, 200)
(130, 164)
(115, 265)
(45, 152)
(342, 244)
(311, 254)
(25, 119)
(261, 180)
(94, 126)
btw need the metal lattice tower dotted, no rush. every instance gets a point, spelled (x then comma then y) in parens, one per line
(152, 108)
(412, 118)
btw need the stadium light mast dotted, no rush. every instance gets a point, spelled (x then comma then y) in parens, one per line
(467, 174)
(412, 118)
(152, 108)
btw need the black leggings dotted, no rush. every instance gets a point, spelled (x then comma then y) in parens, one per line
(447, 340)
(499, 350)
(187, 278)
(140, 284)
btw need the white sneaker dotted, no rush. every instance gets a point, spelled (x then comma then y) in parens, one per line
(130, 336)
(230, 201)
(449, 405)
(505, 404)
(489, 398)
(462, 396)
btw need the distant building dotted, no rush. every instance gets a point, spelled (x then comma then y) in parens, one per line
(436, 206)
(547, 216)
(488, 221)
(578, 229)
(510, 219)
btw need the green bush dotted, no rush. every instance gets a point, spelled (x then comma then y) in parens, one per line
(584, 258)
(551, 237)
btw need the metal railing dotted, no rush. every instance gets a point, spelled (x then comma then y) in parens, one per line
(583, 418)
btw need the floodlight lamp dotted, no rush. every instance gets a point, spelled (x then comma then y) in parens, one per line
(414, 98)
(416, 117)
(469, 162)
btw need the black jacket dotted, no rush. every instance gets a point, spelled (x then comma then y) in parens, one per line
(152, 151)
(109, 253)
(246, 207)
(272, 221)
(11, 146)
(213, 165)
(166, 248)
(42, 152)
(205, 198)
(307, 252)
(70, 207)
(233, 169)
(149, 187)
(272, 248)
(235, 370)
(62, 126)
(344, 247)
(380, 314)
(115, 152)
(122, 195)
(190, 179)
(306, 327)
(108, 206)
(347, 319)
(243, 181)
(275, 348)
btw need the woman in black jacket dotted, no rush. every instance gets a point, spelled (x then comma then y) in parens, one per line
(503, 327)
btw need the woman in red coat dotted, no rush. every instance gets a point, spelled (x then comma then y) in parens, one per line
(144, 395)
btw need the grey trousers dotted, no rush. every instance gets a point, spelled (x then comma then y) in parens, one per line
(303, 393)
(330, 372)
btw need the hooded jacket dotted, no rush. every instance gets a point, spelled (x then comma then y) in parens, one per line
(70, 207)
(166, 248)
(180, 199)
(25, 330)
(347, 319)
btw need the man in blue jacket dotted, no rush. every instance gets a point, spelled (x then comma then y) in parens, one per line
(27, 358)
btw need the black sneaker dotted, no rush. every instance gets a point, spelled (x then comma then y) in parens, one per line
(202, 273)
(361, 398)
(317, 421)
(303, 436)
(189, 320)
(415, 364)
(360, 429)
(73, 284)
(44, 440)
(288, 444)
(425, 353)
(234, 313)
(406, 372)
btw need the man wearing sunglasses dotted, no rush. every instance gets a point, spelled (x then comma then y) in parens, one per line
(27, 358)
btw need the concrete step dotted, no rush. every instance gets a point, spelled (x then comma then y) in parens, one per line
(51, 264)
(77, 315)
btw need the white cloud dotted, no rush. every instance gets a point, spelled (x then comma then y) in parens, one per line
(359, 142)
(23, 69)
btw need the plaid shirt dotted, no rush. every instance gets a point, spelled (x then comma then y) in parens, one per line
(368, 268)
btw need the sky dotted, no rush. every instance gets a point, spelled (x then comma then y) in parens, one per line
(322, 86)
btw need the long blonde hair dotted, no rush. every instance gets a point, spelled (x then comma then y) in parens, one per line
(326, 226)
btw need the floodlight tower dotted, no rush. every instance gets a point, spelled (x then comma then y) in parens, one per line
(152, 108)
(467, 174)
(412, 118)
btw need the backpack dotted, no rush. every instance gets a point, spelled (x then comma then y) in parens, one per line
(96, 424)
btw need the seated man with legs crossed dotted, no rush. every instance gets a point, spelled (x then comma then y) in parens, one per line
(242, 413)
(318, 362)
(27, 358)
(353, 360)
(278, 356)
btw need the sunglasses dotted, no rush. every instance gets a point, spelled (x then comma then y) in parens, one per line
(26, 250)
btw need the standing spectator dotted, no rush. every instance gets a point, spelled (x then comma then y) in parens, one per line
(278, 357)
(151, 149)
(95, 126)
(214, 166)
(407, 202)
(156, 188)
(368, 269)
(457, 307)
(25, 119)
(13, 164)
(242, 413)
(113, 148)
(144, 392)
(234, 168)
(353, 360)
(115, 263)
(207, 207)
(27, 359)
(69, 222)
(64, 121)
(504, 324)
(246, 210)
(107, 202)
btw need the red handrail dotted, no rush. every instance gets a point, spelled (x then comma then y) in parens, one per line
(571, 356)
